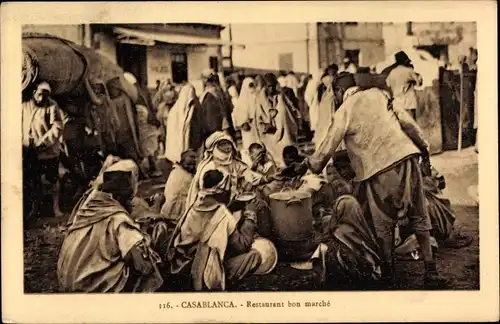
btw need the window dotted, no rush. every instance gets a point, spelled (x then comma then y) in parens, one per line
(286, 62)
(179, 67)
(179, 58)
(353, 55)
(214, 63)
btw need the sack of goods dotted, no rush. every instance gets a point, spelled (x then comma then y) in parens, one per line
(292, 225)
(66, 65)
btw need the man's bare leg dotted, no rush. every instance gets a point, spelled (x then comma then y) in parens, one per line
(431, 278)
(55, 199)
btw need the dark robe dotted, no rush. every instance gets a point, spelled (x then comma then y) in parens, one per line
(352, 255)
(213, 112)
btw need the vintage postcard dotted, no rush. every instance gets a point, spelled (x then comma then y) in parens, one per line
(244, 162)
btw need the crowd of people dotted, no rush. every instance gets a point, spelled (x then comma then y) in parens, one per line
(374, 194)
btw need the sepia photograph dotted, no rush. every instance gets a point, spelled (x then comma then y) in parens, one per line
(250, 157)
(166, 158)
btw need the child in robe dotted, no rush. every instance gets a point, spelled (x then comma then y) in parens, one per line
(261, 161)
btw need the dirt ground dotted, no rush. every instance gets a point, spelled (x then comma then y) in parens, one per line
(43, 239)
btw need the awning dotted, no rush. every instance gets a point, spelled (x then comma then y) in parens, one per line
(149, 38)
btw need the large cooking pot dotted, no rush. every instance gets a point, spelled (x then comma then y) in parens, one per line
(291, 215)
(292, 224)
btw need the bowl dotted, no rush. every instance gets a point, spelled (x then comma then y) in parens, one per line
(268, 253)
(245, 196)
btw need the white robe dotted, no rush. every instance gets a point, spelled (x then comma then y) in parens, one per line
(179, 119)
(244, 112)
(312, 100)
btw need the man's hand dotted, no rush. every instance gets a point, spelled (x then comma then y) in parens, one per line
(300, 168)
(426, 166)
(153, 121)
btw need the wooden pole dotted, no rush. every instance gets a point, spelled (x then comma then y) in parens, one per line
(460, 120)
(231, 48)
(307, 49)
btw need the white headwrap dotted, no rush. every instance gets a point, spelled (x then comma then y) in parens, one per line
(210, 149)
(178, 124)
(245, 106)
(292, 83)
(130, 77)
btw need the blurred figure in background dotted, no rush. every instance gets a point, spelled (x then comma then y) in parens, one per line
(164, 100)
(157, 87)
(276, 117)
(232, 92)
(259, 82)
(148, 127)
(402, 81)
(216, 107)
(311, 97)
(282, 79)
(244, 116)
(348, 66)
(127, 132)
(303, 107)
(42, 129)
(326, 106)
(292, 83)
(185, 126)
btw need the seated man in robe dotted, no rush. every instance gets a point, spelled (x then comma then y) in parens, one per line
(177, 188)
(145, 211)
(352, 258)
(262, 162)
(105, 250)
(210, 245)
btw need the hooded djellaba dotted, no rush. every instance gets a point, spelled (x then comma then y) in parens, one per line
(104, 249)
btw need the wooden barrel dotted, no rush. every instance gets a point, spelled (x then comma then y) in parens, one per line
(292, 225)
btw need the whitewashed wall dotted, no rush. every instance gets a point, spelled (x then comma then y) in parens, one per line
(107, 47)
(159, 64)
(396, 39)
(159, 61)
(265, 42)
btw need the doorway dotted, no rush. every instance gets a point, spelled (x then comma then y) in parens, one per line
(179, 67)
(133, 59)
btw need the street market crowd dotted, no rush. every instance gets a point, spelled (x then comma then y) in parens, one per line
(241, 195)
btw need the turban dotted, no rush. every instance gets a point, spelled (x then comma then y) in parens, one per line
(130, 78)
